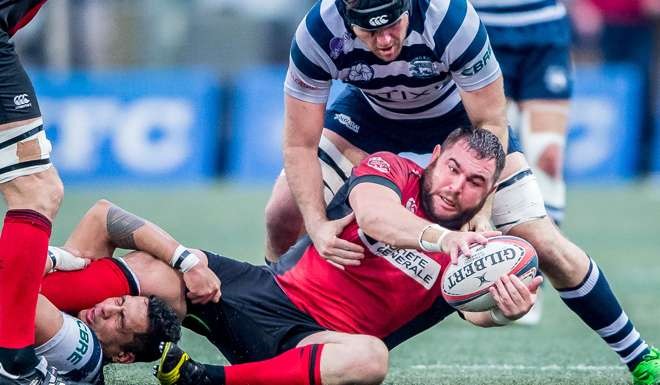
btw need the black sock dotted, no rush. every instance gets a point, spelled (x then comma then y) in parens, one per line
(215, 373)
(18, 361)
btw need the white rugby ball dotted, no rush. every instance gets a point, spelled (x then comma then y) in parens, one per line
(465, 285)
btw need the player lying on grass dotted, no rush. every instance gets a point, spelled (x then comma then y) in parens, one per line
(78, 347)
(303, 320)
(123, 330)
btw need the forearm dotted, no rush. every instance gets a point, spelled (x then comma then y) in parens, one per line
(303, 173)
(486, 108)
(380, 215)
(303, 124)
(397, 227)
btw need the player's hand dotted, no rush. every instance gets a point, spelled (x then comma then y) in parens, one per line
(513, 297)
(335, 250)
(459, 242)
(480, 222)
(66, 259)
(203, 284)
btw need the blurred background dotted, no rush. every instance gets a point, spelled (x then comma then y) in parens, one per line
(155, 90)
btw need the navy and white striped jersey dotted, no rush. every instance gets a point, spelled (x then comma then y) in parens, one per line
(446, 46)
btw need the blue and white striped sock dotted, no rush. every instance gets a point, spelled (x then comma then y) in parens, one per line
(594, 302)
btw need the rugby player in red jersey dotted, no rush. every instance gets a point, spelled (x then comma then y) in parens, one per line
(304, 320)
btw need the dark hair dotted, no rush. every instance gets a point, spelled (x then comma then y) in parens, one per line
(163, 326)
(483, 142)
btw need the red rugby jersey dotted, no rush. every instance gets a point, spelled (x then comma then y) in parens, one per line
(391, 288)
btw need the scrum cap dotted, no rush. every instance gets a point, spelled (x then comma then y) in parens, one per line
(374, 14)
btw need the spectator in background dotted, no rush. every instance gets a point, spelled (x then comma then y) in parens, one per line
(624, 31)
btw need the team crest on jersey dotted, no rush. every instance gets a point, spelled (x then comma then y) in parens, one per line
(379, 164)
(556, 79)
(361, 72)
(415, 264)
(423, 67)
(339, 45)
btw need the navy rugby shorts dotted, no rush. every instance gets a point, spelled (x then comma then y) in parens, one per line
(536, 72)
(254, 319)
(18, 100)
(351, 117)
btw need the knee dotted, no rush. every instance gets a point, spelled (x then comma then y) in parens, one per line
(282, 215)
(369, 360)
(561, 260)
(550, 161)
(42, 192)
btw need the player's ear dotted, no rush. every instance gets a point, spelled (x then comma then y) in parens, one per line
(123, 358)
(436, 153)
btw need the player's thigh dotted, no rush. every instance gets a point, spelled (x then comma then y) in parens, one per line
(546, 115)
(27, 179)
(281, 205)
(517, 197)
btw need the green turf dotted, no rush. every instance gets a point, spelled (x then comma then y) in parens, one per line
(618, 227)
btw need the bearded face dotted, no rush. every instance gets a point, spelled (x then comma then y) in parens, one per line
(455, 185)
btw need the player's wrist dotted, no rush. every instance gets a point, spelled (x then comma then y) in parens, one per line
(498, 317)
(431, 236)
(183, 259)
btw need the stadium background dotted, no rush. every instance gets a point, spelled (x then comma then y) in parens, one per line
(173, 109)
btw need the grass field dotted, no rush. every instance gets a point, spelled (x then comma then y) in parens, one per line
(619, 227)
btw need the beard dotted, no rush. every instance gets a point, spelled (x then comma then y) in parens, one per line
(452, 222)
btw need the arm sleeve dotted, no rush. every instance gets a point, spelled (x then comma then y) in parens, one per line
(461, 41)
(311, 70)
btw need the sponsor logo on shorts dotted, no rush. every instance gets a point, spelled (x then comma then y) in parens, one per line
(415, 264)
(379, 20)
(423, 67)
(556, 79)
(379, 164)
(348, 122)
(22, 101)
(361, 72)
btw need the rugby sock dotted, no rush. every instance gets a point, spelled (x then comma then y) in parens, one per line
(299, 366)
(23, 247)
(594, 302)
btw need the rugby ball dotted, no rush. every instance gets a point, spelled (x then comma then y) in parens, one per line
(465, 285)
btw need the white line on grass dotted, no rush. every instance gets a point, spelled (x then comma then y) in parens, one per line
(582, 368)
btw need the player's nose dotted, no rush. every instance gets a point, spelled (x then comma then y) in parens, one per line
(108, 310)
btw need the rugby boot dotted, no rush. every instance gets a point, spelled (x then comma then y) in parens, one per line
(647, 372)
(177, 368)
(41, 375)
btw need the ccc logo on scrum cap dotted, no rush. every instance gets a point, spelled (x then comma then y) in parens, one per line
(21, 100)
(379, 20)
